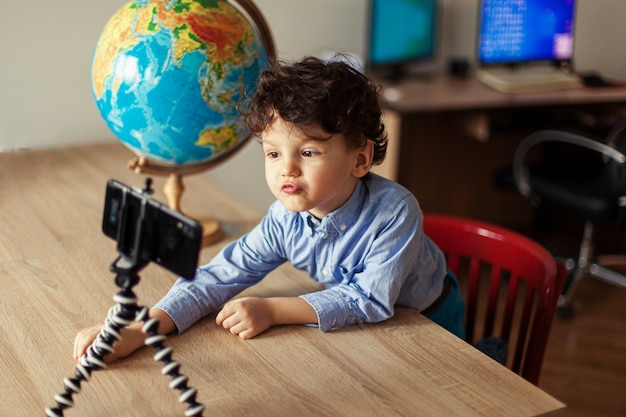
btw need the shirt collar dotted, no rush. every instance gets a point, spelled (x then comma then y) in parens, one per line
(345, 216)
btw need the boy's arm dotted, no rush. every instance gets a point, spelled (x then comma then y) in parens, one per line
(292, 310)
(250, 316)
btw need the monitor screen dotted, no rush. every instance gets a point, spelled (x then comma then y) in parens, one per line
(515, 31)
(401, 32)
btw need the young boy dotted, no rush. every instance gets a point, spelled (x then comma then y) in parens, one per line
(361, 235)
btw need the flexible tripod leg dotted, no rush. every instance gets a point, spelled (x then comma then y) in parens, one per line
(171, 367)
(119, 316)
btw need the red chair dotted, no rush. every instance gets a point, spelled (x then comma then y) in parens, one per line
(512, 286)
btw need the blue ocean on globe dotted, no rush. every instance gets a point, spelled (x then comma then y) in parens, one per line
(167, 94)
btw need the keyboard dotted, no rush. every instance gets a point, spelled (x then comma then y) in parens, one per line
(528, 80)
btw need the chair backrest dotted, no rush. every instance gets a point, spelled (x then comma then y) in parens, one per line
(616, 173)
(511, 284)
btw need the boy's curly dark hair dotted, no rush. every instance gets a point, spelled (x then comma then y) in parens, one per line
(333, 95)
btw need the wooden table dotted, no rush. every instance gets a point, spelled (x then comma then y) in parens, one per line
(55, 280)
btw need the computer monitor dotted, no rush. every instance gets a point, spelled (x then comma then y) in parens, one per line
(402, 34)
(523, 31)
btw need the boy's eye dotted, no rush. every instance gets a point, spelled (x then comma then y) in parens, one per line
(272, 154)
(308, 153)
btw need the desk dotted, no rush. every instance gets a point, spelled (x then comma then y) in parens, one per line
(55, 280)
(430, 123)
(444, 93)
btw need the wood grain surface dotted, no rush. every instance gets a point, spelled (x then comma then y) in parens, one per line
(54, 266)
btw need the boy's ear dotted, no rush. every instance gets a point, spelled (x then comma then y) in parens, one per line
(364, 159)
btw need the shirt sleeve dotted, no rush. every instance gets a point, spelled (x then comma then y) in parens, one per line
(238, 266)
(370, 290)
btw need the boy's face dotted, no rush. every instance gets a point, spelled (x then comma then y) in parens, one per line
(309, 170)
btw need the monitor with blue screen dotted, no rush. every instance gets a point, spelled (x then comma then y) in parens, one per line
(519, 31)
(401, 34)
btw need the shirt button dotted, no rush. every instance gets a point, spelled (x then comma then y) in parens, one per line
(343, 227)
(325, 236)
(325, 271)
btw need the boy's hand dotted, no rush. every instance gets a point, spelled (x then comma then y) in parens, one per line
(132, 339)
(246, 317)
(250, 316)
(84, 339)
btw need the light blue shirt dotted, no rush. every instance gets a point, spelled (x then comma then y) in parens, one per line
(371, 254)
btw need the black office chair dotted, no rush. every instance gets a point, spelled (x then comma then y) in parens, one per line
(594, 190)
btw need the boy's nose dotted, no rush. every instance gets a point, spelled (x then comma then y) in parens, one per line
(289, 167)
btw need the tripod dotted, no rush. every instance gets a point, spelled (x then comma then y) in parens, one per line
(121, 315)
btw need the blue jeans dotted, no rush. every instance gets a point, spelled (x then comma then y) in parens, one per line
(451, 313)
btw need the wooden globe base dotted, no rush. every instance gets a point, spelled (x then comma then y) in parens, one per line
(211, 231)
(173, 190)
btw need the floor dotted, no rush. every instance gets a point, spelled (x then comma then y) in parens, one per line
(585, 361)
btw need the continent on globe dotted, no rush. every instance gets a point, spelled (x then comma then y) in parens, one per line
(167, 77)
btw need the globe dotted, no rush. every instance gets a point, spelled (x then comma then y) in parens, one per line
(167, 77)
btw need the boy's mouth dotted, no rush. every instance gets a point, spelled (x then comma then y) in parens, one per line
(289, 189)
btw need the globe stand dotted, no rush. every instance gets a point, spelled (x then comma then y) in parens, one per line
(174, 188)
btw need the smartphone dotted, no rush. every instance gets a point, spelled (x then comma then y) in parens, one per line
(149, 231)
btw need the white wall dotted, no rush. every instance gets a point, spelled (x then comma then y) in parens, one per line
(45, 60)
(46, 50)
